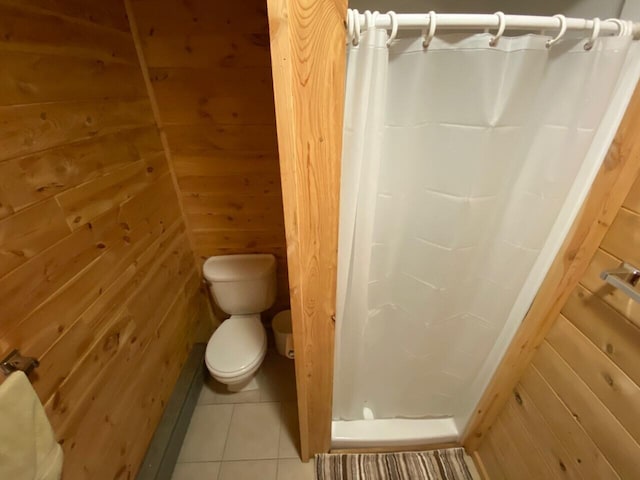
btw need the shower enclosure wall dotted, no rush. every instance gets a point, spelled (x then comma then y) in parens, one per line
(464, 166)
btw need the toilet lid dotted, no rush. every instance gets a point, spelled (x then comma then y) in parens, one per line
(236, 344)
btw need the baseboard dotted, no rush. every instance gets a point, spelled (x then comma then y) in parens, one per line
(484, 475)
(163, 451)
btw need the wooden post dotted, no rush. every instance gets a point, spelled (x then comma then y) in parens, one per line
(308, 61)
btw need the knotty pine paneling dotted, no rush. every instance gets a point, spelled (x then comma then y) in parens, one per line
(97, 278)
(579, 401)
(210, 71)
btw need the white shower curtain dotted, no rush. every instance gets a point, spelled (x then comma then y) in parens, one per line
(457, 161)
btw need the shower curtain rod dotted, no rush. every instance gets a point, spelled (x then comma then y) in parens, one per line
(497, 20)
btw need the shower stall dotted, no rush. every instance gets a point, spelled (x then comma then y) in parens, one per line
(470, 143)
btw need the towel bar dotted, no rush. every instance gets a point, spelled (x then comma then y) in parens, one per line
(624, 278)
(15, 361)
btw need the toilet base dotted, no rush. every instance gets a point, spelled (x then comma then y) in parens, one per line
(249, 384)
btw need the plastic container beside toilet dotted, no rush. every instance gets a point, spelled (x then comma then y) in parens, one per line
(283, 332)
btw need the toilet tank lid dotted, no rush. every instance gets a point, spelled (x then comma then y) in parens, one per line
(229, 268)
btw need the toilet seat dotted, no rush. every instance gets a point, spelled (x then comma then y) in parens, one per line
(236, 347)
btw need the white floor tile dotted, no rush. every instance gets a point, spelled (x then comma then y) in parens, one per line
(277, 379)
(249, 470)
(206, 435)
(289, 431)
(295, 469)
(214, 392)
(196, 471)
(208, 393)
(254, 432)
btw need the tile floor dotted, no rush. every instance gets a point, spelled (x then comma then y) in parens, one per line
(247, 435)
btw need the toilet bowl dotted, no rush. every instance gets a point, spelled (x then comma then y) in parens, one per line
(243, 286)
(236, 351)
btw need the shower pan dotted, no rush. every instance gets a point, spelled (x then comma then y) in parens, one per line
(466, 159)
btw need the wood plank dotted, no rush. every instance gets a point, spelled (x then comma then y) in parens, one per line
(240, 240)
(207, 50)
(616, 175)
(87, 201)
(26, 78)
(142, 60)
(90, 294)
(512, 461)
(610, 436)
(566, 427)
(32, 283)
(539, 461)
(624, 236)
(110, 409)
(201, 16)
(309, 97)
(236, 221)
(610, 331)
(266, 184)
(129, 329)
(217, 111)
(26, 129)
(24, 235)
(28, 30)
(227, 163)
(108, 14)
(28, 180)
(632, 202)
(487, 463)
(198, 139)
(258, 204)
(549, 446)
(252, 82)
(610, 384)
(221, 95)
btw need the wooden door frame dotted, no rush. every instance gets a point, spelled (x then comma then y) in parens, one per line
(308, 61)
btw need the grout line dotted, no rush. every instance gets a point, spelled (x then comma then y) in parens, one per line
(226, 438)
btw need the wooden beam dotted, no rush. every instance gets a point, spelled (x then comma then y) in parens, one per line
(308, 58)
(614, 180)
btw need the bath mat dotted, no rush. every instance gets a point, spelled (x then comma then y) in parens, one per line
(446, 464)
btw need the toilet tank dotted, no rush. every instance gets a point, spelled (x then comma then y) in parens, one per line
(242, 284)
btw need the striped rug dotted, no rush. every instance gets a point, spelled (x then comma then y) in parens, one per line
(446, 464)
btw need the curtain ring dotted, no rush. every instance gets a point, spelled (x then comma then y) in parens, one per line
(374, 16)
(563, 30)
(367, 19)
(394, 27)
(356, 27)
(502, 25)
(594, 34)
(621, 25)
(428, 36)
(349, 24)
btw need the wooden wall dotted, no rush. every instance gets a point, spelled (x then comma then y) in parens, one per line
(210, 68)
(97, 279)
(576, 411)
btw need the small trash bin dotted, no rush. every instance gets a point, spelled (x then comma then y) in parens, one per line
(281, 325)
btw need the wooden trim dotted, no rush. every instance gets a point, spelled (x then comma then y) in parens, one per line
(402, 448)
(133, 26)
(482, 471)
(308, 63)
(612, 184)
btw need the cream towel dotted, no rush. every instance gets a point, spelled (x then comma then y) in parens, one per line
(28, 449)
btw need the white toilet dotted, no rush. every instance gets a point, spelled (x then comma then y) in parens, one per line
(243, 286)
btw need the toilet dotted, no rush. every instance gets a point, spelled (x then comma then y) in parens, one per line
(242, 286)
